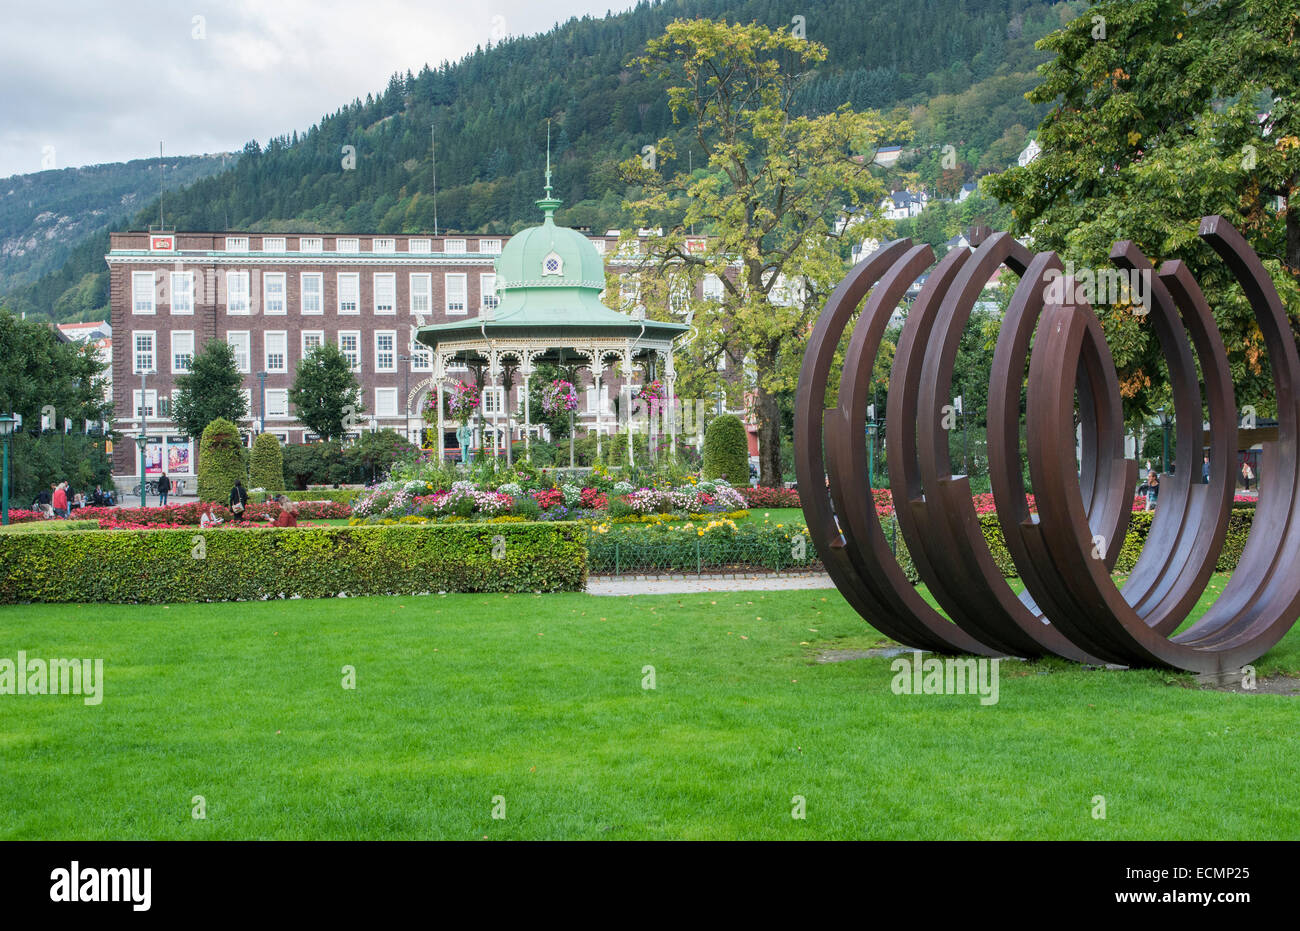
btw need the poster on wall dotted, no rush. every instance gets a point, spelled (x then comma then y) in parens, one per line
(178, 458)
(153, 459)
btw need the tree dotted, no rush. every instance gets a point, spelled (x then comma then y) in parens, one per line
(726, 450)
(776, 182)
(42, 376)
(211, 390)
(1166, 112)
(266, 464)
(325, 393)
(221, 460)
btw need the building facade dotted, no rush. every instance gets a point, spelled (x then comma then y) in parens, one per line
(273, 298)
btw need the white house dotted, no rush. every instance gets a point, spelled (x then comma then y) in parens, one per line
(1031, 152)
(903, 204)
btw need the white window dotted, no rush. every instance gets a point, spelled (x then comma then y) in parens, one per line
(349, 293)
(347, 245)
(454, 246)
(277, 402)
(385, 402)
(552, 264)
(236, 243)
(592, 399)
(311, 244)
(385, 350)
(182, 292)
(385, 293)
(182, 350)
(146, 406)
(421, 246)
(144, 356)
(273, 244)
(600, 245)
(350, 346)
(457, 286)
(712, 287)
(490, 246)
(421, 357)
(240, 342)
(421, 294)
(493, 401)
(276, 346)
(311, 339)
(679, 298)
(142, 293)
(383, 245)
(487, 289)
(273, 293)
(237, 293)
(313, 293)
(248, 408)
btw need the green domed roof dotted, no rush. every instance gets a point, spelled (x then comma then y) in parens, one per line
(549, 256)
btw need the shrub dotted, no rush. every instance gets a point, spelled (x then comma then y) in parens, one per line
(51, 526)
(763, 497)
(266, 465)
(221, 460)
(158, 566)
(726, 450)
(526, 508)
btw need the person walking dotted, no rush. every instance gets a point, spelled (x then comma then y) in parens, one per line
(164, 486)
(1152, 489)
(1205, 471)
(1247, 474)
(238, 499)
(59, 500)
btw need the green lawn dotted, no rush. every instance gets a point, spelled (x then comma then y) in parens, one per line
(539, 699)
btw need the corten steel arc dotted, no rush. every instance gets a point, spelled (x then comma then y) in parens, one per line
(1065, 552)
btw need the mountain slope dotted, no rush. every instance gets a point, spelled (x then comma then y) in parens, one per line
(490, 111)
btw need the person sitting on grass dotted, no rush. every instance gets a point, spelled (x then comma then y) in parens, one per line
(286, 517)
(209, 517)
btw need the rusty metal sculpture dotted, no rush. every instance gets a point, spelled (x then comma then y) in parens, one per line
(1066, 552)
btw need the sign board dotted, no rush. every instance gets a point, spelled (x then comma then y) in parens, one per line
(162, 243)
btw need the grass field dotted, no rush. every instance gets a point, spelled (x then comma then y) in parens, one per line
(539, 700)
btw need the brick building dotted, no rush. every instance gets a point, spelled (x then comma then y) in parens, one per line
(273, 297)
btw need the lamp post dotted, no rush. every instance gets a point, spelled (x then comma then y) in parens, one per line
(1164, 452)
(6, 430)
(871, 444)
(142, 441)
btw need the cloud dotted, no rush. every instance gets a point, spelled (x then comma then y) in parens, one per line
(98, 82)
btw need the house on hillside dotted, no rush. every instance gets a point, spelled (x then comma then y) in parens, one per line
(1031, 152)
(900, 205)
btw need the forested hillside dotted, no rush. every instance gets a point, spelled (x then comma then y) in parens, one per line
(959, 66)
(44, 215)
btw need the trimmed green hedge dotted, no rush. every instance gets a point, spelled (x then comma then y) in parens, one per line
(190, 565)
(339, 495)
(1239, 522)
(50, 526)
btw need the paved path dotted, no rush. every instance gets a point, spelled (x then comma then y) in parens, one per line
(632, 585)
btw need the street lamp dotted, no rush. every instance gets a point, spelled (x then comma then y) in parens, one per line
(142, 441)
(1165, 421)
(7, 422)
(871, 444)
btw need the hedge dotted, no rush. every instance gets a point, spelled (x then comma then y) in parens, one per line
(337, 495)
(266, 464)
(221, 460)
(50, 526)
(726, 450)
(178, 566)
(1239, 523)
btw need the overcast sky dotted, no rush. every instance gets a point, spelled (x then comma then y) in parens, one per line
(87, 81)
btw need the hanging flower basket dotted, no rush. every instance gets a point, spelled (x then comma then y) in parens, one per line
(559, 397)
(651, 391)
(462, 400)
(430, 409)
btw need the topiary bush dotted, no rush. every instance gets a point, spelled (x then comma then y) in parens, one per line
(266, 464)
(226, 564)
(726, 450)
(221, 460)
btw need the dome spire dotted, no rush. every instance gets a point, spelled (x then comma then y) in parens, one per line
(550, 202)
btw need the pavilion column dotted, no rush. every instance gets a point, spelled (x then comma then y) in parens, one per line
(670, 400)
(442, 452)
(627, 407)
(527, 374)
(597, 366)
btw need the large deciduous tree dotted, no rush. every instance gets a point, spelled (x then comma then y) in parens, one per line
(325, 393)
(1166, 111)
(775, 183)
(211, 390)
